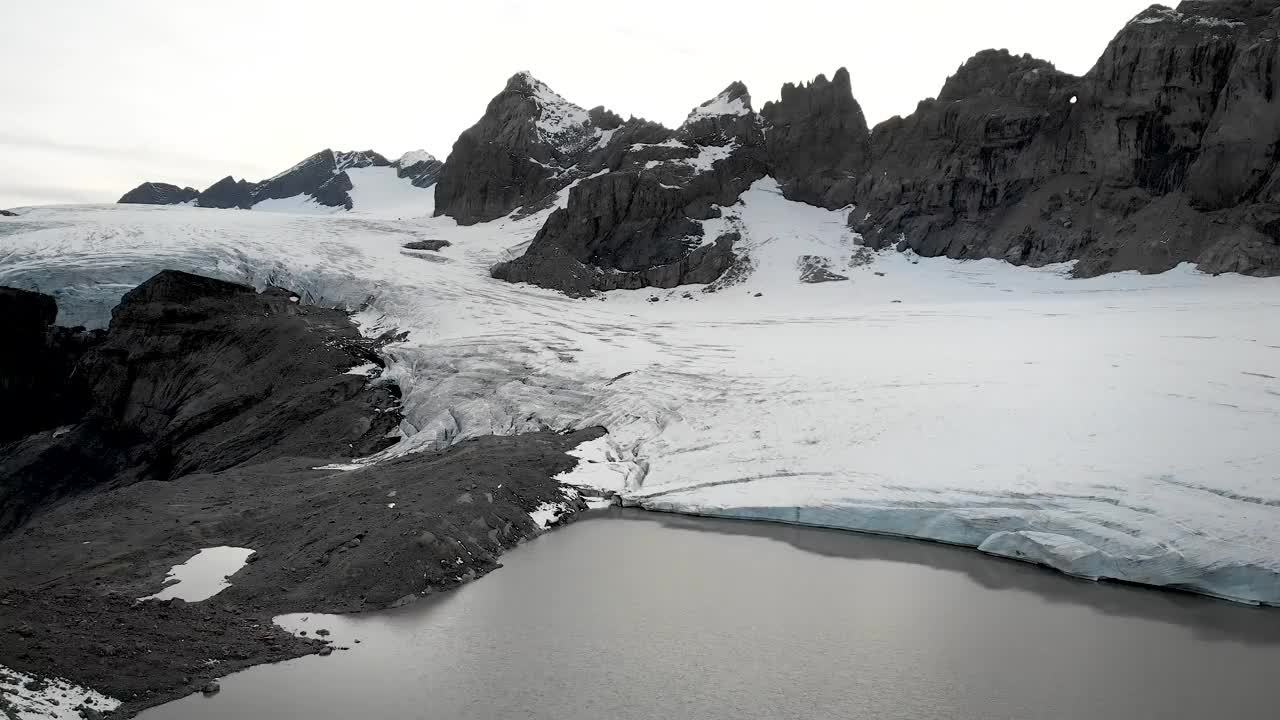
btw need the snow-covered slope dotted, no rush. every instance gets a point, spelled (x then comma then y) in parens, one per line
(1116, 427)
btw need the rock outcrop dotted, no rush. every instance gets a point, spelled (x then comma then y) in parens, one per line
(321, 178)
(817, 140)
(193, 375)
(149, 193)
(36, 360)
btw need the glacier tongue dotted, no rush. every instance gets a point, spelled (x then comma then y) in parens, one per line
(1117, 427)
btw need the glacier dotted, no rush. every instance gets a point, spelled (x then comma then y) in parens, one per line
(1119, 427)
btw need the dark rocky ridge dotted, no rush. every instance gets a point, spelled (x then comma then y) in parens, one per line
(322, 176)
(1165, 152)
(207, 412)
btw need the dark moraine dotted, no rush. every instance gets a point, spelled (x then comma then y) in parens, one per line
(643, 616)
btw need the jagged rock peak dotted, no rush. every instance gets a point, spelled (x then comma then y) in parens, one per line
(733, 100)
(996, 72)
(819, 97)
(817, 139)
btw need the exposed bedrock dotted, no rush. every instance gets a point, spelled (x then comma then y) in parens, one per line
(194, 375)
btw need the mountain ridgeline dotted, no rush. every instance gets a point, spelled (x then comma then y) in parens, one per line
(322, 178)
(1164, 152)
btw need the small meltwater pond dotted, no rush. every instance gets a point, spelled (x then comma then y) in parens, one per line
(204, 575)
(628, 615)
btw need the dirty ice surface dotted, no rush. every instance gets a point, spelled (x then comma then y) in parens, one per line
(32, 698)
(204, 575)
(1121, 426)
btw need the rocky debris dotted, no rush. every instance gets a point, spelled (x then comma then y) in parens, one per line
(420, 167)
(1163, 153)
(431, 245)
(817, 140)
(162, 650)
(149, 193)
(325, 651)
(817, 269)
(62, 593)
(211, 688)
(194, 374)
(36, 360)
(322, 177)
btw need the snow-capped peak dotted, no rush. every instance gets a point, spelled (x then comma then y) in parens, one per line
(413, 157)
(560, 122)
(733, 101)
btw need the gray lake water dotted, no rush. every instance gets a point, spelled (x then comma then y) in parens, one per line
(633, 615)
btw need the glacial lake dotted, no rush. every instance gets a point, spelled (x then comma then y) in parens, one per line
(631, 615)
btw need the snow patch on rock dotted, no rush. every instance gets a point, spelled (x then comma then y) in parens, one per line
(52, 698)
(718, 106)
(560, 123)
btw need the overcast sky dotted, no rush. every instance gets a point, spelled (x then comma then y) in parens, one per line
(99, 96)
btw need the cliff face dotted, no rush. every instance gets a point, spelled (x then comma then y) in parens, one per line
(817, 140)
(1163, 153)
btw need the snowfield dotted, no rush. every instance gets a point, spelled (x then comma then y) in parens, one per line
(1119, 427)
